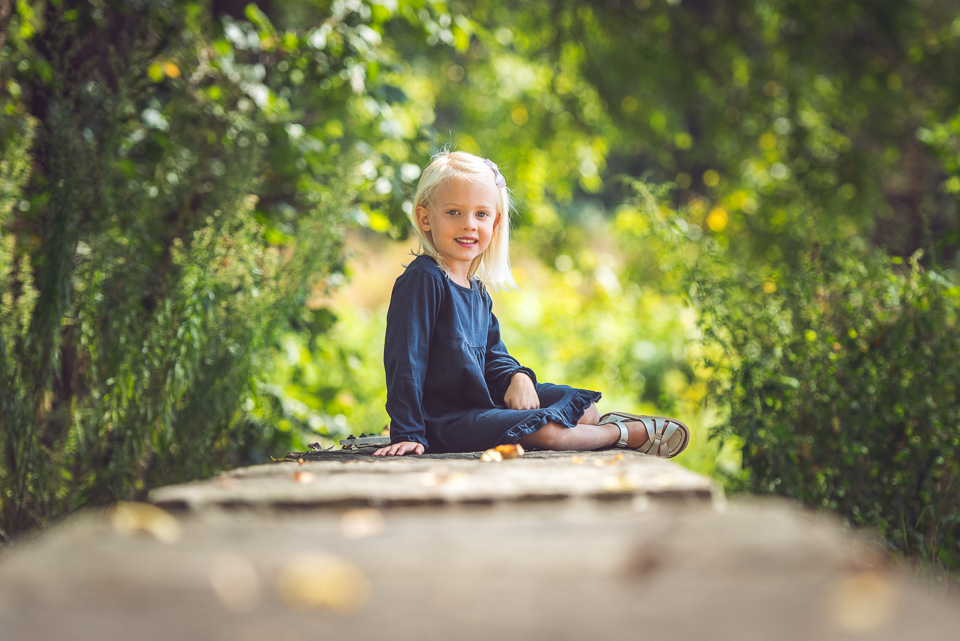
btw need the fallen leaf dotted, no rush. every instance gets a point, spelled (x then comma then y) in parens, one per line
(601, 462)
(300, 461)
(619, 483)
(171, 69)
(302, 476)
(510, 450)
(490, 456)
(862, 601)
(361, 523)
(142, 518)
(322, 581)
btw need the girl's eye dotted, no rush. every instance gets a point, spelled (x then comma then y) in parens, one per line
(483, 214)
(453, 212)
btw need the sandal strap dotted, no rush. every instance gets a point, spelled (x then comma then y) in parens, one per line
(624, 434)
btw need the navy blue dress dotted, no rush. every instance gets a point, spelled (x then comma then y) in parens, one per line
(447, 369)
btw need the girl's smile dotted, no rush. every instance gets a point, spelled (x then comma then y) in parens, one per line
(461, 219)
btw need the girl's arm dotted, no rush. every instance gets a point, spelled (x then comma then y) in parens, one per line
(410, 321)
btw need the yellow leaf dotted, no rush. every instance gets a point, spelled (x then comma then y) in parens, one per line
(620, 483)
(717, 219)
(361, 523)
(302, 476)
(143, 518)
(171, 69)
(322, 581)
(518, 114)
(510, 451)
(379, 222)
(155, 72)
(862, 602)
(491, 456)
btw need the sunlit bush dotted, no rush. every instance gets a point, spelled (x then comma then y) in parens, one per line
(843, 384)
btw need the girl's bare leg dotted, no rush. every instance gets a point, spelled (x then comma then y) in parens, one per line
(587, 435)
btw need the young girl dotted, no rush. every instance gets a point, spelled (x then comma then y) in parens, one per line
(451, 385)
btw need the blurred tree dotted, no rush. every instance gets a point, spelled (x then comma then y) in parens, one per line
(174, 178)
(760, 112)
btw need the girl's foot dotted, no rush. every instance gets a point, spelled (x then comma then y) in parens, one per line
(656, 435)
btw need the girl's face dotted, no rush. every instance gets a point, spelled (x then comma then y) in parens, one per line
(461, 219)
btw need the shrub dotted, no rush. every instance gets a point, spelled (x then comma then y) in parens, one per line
(138, 283)
(842, 382)
(832, 366)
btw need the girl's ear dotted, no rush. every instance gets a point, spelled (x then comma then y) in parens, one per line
(423, 218)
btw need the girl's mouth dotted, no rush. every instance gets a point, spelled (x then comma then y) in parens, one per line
(466, 242)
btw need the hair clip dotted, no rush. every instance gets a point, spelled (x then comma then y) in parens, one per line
(498, 178)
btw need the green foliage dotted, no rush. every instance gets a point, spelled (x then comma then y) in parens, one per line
(175, 209)
(332, 384)
(755, 108)
(842, 384)
(832, 373)
(18, 297)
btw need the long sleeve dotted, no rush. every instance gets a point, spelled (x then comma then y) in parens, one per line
(411, 319)
(500, 366)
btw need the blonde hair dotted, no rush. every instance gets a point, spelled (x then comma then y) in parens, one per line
(493, 265)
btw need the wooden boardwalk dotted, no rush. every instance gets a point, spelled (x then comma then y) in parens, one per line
(550, 546)
(354, 479)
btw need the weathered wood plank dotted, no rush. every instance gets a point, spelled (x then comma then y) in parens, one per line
(338, 478)
(542, 572)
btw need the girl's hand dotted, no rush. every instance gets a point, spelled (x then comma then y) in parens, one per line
(521, 394)
(399, 449)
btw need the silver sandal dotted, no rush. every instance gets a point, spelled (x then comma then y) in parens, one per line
(661, 432)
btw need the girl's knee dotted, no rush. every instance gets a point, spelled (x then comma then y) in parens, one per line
(591, 416)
